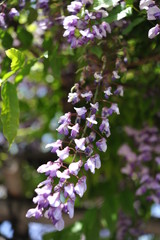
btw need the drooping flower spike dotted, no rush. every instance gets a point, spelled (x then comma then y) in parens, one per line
(87, 135)
(83, 26)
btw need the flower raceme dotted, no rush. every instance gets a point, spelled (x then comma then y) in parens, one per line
(137, 166)
(83, 26)
(86, 130)
(153, 13)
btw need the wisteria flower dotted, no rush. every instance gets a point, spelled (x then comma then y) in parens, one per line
(144, 4)
(92, 163)
(81, 186)
(63, 129)
(91, 120)
(50, 168)
(34, 212)
(153, 32)
(80, 143)
(101, 144)
(94, 107)
(75, 130)
(81, 111)
(108, 92)
(87, 96)
(66, 118)
(73, 97)
(55, 145)
(75, 167)
(63, 154)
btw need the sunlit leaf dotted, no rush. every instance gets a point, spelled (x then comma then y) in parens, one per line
(17, 58)
(10, 111)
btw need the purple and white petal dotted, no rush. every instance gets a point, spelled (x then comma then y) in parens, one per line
(63, 154)
(80, 143)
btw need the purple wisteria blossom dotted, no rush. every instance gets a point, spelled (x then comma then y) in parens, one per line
(75, 167)
(74, 130)
(153, 13)
(79, 28)
(87, 96)
(13, 13)
(153, 32)
(91, 120)
(81, 112)
(63, 154)
(80, 143)
(81, 186)
(55, 145)
(137, 166)
(108, 92)
(94, 107)
(101, 145)
(76, 152)
(126, 227)
(93, 163)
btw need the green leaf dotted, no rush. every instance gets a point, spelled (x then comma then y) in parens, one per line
(132, 25)
(32, 15)
(105, 3)
(7, 40)
(129, 2)
(10, 111)
(25, 37)
(17, 58)
(119, 13)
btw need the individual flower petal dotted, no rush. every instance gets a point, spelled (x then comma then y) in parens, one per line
(119, 91)
(73, 97)
(144, 4)
(69, 191)
(107, 92)
(105, 128)
(54, 200)
(55, 145)
(75, 167)
(50, 168)
(80, 143)
(34, 212)
(63, 154)
(153, 32)
(153, 13)
(81, 186)
(63, 175)
(101, 144)
(87, 95)
(94, 107)
(92, 163)
(57, 213)
(70, 207)
(59, 225)
(81, 111)
(74, 7)
(66, 118)
(75, 130)
(91, 120)
(115, 75)
(63, 129)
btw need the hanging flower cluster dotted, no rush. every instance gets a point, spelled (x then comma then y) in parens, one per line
(126, 228)
(7, 15)
(83, 26)
(153, 13)
(137, 165)
(86, 130)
